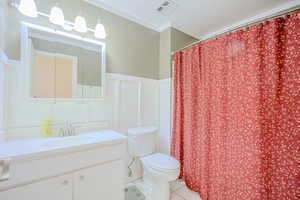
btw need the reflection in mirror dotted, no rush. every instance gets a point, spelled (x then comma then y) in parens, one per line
(89, 74)
(64, 68)
(43, 71)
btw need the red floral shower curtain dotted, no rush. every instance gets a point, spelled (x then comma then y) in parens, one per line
(236, 115)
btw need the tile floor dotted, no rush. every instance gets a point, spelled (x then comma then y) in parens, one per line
(178, 191)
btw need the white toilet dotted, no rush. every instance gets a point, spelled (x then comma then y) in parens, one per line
(159, 169)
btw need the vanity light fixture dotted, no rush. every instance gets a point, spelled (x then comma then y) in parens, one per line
(80, 24)
(57, 16)
(100, 31)
(28, 8)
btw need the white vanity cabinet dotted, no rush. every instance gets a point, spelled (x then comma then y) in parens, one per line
(94, 183)
(100, 182)
(62, 169)
(58, 188)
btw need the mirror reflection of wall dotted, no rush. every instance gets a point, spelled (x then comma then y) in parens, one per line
(62, 68)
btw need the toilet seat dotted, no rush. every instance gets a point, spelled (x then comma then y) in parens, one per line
(162, 162)
(159, 171)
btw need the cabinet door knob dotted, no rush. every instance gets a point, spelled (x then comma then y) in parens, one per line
(81, 177)
(66, 182)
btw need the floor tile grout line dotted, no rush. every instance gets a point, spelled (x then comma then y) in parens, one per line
(178, 188)
(180, 196)
(173, 192)
(181, 186)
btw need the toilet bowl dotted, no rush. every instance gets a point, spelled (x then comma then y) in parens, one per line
(159, 171)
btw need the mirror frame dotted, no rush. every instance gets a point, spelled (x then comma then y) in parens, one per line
(25, 59)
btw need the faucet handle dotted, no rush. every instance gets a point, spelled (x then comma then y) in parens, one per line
(67, 130)
(73, 130)
(63, 132)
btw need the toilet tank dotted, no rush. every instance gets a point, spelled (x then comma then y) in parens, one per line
(141, 141)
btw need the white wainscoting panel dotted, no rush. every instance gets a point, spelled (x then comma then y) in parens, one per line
(3, 107)
(129, 115)
(135, 103)
(165, 115)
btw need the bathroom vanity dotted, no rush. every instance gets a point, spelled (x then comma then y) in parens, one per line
(85, 167)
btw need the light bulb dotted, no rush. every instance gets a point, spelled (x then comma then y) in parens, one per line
(100, 31)
(80, 24)
(57, 16)
(28, 8)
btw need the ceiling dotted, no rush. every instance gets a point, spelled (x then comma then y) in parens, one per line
(198, 18)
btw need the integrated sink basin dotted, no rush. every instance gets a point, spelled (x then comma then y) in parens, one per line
(69, 141)
(62, 167)
(34, 147)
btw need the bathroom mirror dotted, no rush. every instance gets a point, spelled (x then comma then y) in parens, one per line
(61, 65)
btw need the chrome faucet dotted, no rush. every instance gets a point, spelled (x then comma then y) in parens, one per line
(68, 130)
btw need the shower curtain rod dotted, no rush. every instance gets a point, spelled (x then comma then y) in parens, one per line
(273, 16)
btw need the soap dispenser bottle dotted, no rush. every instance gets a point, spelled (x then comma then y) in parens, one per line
(47, 127)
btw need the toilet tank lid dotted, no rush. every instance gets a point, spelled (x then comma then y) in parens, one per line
(142, 130)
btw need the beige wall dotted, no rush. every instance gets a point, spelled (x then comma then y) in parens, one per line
(171, 40)
(179, 39)
(164, 54)
(132, 49)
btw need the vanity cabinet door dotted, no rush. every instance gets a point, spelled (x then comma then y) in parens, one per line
(102, 182)
(59, 188)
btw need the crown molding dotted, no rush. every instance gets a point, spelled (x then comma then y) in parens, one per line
(164, 27)
(282, 8)
(126, 15)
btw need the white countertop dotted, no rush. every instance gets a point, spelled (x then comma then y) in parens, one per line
(42, 147)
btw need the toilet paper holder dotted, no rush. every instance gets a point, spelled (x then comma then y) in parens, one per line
(4, 169)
